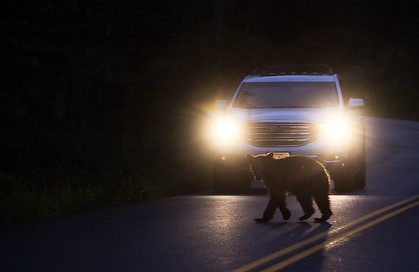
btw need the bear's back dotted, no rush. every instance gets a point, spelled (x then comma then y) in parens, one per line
(292, 172)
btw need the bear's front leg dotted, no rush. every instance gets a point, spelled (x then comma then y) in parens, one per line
(282, 205)
(269, 211)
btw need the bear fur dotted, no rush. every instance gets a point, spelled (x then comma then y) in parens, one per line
(303, 176)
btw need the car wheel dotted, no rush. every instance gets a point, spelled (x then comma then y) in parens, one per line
(361, 175)
(243, 182)
(228, 180)
(344, 180)
(221, 179)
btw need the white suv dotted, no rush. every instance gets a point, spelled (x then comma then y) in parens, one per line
(290, 110)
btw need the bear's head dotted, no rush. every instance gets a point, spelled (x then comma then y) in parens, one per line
(258, 162)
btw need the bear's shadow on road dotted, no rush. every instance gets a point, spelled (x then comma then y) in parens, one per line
(302, 224)
(293, 232)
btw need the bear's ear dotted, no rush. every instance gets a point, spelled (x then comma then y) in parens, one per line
(270, 155)
(250, 159)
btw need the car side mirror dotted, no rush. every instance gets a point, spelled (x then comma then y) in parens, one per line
(356, 102)
(221, 104)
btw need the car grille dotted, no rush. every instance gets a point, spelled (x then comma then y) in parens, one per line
(279, 134)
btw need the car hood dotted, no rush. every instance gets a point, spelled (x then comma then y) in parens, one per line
(317, 115)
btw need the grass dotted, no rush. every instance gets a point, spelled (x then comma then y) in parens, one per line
(25, 199)
(20, 202)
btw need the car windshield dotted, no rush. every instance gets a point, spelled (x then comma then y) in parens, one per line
(287, 95)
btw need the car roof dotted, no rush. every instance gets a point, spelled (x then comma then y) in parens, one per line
(293, 73)
(291, 78)
(293, 69)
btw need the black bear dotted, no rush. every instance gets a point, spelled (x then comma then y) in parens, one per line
(300, 175)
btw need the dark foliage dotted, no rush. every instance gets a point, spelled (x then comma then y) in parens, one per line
(100, 99)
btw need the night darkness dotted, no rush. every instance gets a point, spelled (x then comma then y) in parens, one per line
(100, 99)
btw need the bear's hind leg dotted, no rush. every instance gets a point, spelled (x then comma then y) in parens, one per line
(323, 202)
(307, 206)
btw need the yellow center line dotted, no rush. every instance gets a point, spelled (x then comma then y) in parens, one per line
(319, 236)
(339, 238)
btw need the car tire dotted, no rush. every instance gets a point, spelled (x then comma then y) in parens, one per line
(228, 180)
(361, 175)
(344, 180)
(220, 178)
(360, 178)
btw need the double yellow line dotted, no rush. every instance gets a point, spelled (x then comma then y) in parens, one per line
(339, 237)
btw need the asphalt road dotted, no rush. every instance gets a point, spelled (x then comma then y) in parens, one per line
(375, 229)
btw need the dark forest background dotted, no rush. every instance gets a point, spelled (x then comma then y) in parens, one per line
(101, 100)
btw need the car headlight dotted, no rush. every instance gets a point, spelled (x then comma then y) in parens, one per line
(337, 131)
(225, 130)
